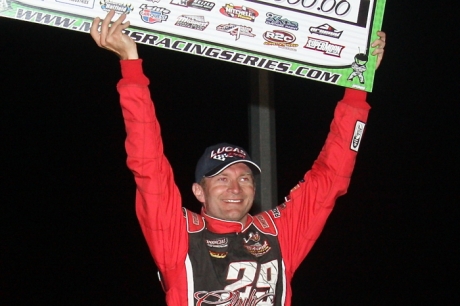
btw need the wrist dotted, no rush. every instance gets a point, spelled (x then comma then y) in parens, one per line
(130, 54)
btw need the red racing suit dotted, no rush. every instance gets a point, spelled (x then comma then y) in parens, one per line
(206, 261)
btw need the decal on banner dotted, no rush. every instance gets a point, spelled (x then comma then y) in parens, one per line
(326, 30)
(120, 8)
(192, 22)
(153, 14)
(84, 3)
(198, 4)
(359, 67)
(324, 46)
(278, 21)
(235, 30)
(241, 12)
(282, 39)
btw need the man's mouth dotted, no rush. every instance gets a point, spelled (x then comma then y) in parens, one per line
(233, 201)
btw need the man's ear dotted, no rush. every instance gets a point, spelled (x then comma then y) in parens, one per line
(198, 192)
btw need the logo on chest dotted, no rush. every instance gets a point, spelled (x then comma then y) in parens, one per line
(217, 247)
(252, 245)
(217, 243)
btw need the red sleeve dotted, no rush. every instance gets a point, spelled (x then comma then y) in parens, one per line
(301, 219)
(158, 202)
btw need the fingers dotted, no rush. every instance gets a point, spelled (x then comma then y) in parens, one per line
(382, 35)
(110, 36)
(115, 26)
(105, 28)
(379, 46)
(99, 37)
(124, 25)
(381, 42)
(378, 51)
(94, 30)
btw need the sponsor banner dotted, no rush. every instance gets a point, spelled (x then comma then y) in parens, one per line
(323, 40)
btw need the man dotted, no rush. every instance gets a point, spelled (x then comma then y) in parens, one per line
(224, 256)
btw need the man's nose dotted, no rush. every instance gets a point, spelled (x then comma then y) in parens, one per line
(234, 187)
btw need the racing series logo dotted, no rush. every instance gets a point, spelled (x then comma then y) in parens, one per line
(153, 14)
(120, 8)
(198, 4)
(326, 30)
(324, 46)
(241, 12)
(235, 30)
(192, 22)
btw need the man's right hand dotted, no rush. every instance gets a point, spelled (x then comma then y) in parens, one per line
(112, 38)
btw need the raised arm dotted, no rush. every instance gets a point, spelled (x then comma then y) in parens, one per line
(158, 202)
(304, 214)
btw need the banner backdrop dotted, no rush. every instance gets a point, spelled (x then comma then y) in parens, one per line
(322, 40)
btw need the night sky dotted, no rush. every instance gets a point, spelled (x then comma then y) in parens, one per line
(69, 230)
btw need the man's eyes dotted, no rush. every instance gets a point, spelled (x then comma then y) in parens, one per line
(247, 179)
(241, 179)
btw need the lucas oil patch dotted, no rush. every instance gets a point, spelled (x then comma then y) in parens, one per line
(357, 135)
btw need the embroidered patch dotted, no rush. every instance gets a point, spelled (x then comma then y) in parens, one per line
(252, 237)
(262, 221)
(217, 243)
(276, 212)
(357, 135)
(258, 249)
(195, 219)
(218, 254)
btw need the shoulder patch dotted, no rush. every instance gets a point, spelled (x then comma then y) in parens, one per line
(276, 212)
(265, 224)
(195, 222)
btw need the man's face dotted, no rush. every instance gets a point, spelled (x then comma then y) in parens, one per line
(228, 195)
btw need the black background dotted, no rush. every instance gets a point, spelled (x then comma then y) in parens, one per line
(69, 231)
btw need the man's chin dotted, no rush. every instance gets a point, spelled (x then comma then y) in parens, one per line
(235, 217)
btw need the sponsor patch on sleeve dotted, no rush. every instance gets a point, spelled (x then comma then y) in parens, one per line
(357, 135)
(276, 212)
